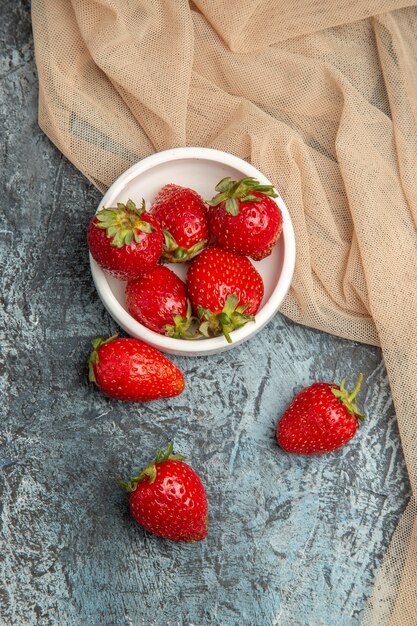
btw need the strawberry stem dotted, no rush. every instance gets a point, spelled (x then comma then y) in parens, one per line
(230, 318)
(180, 329)
(354, 393)
(150, 470)
(123, 222)
(232, 192)
(173, 253)
(348, 398)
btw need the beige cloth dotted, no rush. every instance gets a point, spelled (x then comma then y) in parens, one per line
(320, 95)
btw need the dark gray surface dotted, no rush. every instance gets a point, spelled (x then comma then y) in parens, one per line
(291, 540)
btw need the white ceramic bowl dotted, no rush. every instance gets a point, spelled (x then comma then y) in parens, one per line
(201, 169)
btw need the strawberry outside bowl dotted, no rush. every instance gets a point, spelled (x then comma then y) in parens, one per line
(200, 169)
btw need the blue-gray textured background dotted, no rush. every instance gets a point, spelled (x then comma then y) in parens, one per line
(292, 540)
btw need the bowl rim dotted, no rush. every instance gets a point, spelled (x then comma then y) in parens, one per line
(213, 344)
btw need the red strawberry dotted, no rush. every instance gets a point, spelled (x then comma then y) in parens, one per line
(126, 241)
(183, 216)
(244, 219)
(128, 369)
(158, 300)
(225, 291)
(321, 418)
(168, 499)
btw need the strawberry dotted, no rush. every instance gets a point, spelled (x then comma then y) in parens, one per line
(225, 291)
(321, 418)
(126, 241)
(168, 499)
(128, 369)
(158, 300)
(183, 216)
(244, 219)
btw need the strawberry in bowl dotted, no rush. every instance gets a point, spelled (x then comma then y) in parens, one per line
(125, 240)
(159, 301)
(244, 218)
(225, 291)
(183, 216)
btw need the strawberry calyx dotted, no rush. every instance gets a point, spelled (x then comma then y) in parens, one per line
(234, 191)
(150, 472)
(230, 318)
(94, 358)
(123, 222)
(347, 398)
(180, 329)
(173, 253)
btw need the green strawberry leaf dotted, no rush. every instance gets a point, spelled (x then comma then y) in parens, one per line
(224, 184)
(151, 470)
(232, 206)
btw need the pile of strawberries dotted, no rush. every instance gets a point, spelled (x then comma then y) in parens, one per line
(223, 291)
